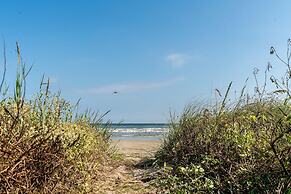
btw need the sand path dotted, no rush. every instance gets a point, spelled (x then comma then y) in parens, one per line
(127, 177)
(137, 149)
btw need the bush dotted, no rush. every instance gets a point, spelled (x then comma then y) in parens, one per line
(44, 146)
(243, 147)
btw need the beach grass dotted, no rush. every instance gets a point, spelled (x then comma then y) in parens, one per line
(241, 146)
(45, 146)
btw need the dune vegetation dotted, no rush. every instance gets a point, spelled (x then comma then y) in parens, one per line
(241, 146)
(45, 146)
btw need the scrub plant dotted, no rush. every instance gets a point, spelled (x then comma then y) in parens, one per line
(45, 147)
(238, 147)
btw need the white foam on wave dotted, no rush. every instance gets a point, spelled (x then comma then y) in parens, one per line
(140, 130)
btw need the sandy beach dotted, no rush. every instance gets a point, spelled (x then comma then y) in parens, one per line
(137, 148)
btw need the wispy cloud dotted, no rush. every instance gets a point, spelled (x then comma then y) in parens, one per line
(177, 59)
(131, 87)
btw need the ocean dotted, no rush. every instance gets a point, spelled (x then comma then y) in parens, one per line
(139, 131)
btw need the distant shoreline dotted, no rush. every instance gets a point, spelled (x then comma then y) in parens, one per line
(134, 124)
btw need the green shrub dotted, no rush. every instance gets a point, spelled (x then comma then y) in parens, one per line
(44, 146)
(243, 147)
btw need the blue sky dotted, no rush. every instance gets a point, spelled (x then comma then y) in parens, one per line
(159, 55)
